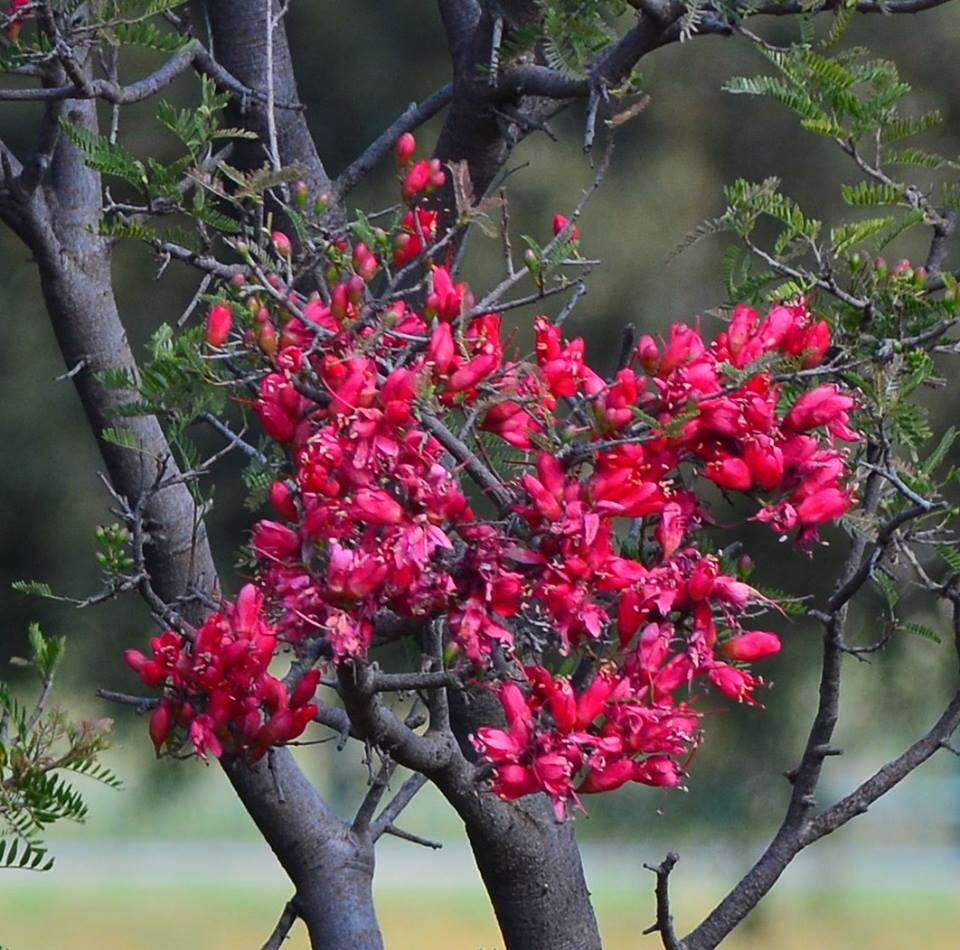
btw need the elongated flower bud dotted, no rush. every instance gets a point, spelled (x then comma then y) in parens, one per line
(219, 324)
(406, 146)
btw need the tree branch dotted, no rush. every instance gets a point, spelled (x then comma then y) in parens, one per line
(428, 753)
(415, 839)
(287, 919)
(664, 923)
(461, 452)
(193, 54)
(799, 828)
(61, 224)
(239, 32)
(391, 812)
(413, 117)
(797, 7)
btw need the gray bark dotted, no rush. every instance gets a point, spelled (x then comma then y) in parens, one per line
(330, 868)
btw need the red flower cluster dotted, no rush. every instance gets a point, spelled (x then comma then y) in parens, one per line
(15, 24)
(372, 508)
(553, 734)
(592, 548)
(217, 689)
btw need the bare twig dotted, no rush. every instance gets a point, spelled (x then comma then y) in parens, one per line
(192, 54)
(409, 836)
(462, 453)
(664, 922)
(396, 805)
(413, 117)
(287, 919)
(141, 704)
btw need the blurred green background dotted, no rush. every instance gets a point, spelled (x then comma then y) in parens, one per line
(173, 861)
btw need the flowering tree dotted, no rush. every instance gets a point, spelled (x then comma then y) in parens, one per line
(547, 535)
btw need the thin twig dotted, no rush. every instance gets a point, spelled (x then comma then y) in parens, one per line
(664, 923)
(287, 919)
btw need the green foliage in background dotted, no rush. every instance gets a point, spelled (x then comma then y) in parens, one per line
(40, 751)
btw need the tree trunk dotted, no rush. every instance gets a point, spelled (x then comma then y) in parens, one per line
(529, 862)
(330, 867)
(239, 41)
(531, 867)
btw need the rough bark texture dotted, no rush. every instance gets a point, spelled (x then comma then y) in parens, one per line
(331, 866)
(75, 277)
(331, 869)
(239, 43)
(531, 868)
(530, 863)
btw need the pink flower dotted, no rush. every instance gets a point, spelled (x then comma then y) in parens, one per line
(671, 529)
(406, 146)
(560, 221)
(161, 719)
(751, 646)
(826, 505)
(275, 541)
(282, 499)
(733, 682)
(219, 322)
(377, 507)
(281, 243)
(823, 406)
(731, 473)
(765, 461)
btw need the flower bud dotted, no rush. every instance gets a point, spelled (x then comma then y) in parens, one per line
(267, 339)
(134, 659)
(648, 353)
(355, 288)
(751, 646)
(304, 690)
(160, 723)
(338, 302)
(560, 221)
(281, 244)
(406, 146)
(219, 323)
(274, 541)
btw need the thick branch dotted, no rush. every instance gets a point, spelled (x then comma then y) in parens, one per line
(376, 722)
(331, 868)
(239, 32)
(412, 118)
(60, 223)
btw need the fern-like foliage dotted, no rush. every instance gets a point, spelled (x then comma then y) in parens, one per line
(39, 748)
(574, 31)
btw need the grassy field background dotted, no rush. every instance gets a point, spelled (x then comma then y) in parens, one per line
(210, 894)
(126, 917)
(169, 866)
